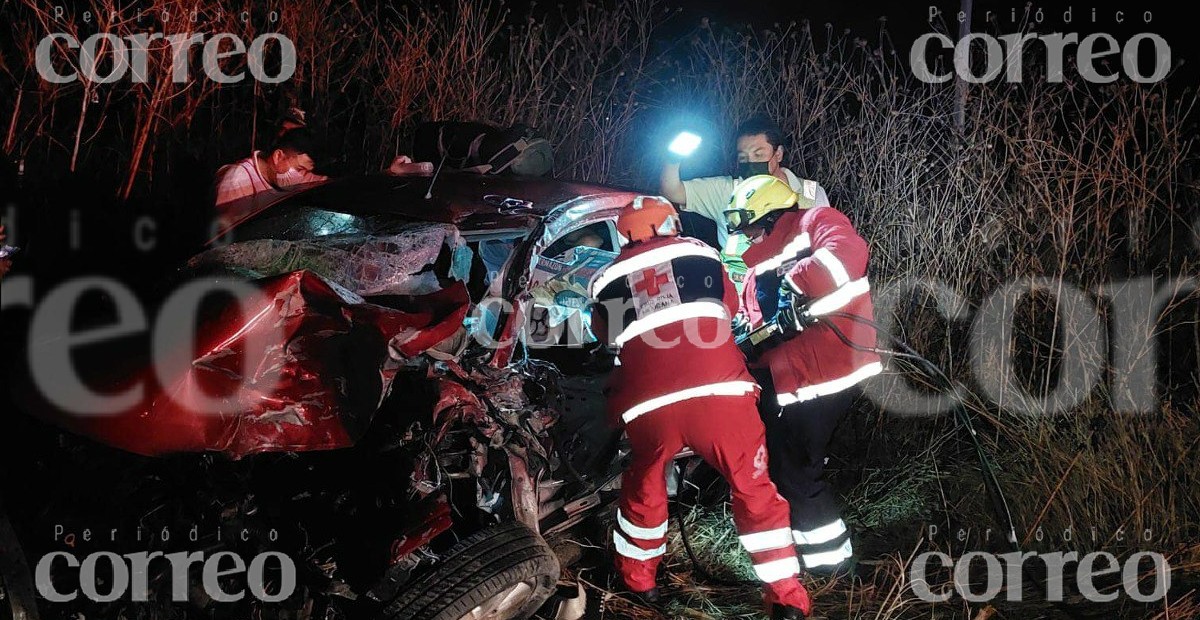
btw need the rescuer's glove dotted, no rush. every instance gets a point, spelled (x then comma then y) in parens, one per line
(741, 336)
(793, 316)
(741, 327)
(600, 358)
(791, 319)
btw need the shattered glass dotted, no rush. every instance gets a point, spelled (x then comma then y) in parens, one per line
(414, 261)
(561, 285)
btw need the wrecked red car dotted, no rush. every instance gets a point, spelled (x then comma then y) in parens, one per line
(384, 390)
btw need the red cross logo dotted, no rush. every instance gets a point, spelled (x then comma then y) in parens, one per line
(651, 282)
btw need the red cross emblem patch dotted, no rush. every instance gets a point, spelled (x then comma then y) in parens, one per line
(654, 289)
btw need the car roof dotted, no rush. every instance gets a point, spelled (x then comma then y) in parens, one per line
(471, 202)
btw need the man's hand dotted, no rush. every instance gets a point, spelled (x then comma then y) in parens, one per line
(600, 358)
(404, 165)
(793, 316)
(741, 327)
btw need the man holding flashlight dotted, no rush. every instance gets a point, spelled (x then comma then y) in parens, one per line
(759, 151)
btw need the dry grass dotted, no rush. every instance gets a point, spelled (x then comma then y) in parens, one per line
(1085, 185)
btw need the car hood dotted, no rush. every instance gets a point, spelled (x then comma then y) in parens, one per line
(471, 202)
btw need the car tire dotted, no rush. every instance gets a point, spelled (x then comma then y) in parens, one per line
(505, 572)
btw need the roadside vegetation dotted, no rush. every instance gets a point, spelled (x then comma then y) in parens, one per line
(1090, 186)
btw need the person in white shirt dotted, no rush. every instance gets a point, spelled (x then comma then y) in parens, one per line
(247, 184)
(289, 161)
(759, 151)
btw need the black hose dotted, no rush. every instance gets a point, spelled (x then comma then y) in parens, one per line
(699, 569)
(696, 566)
(995, 493)
(999, 502)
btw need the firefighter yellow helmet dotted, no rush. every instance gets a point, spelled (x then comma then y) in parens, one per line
(755, 198)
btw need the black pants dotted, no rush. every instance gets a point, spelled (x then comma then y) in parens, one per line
(798, 438)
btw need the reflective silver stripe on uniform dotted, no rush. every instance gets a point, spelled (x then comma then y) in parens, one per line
(643, 533)
(820, 535)
(728, 388)
(839, 298)
(790, 283)
(682, 312)
(766, 541)
(810, 392)
(777, 570)
(647, 260)
(633, 552)
(829, 558)
(795, 246)
(836, 269)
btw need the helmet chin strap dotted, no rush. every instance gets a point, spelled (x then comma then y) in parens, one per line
(771, 219)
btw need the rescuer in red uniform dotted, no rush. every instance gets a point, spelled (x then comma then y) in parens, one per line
(666, 304)
(806, 267)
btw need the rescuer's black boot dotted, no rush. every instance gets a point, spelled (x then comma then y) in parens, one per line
(847, 568)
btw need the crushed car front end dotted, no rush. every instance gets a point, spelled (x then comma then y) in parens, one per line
(377, 386)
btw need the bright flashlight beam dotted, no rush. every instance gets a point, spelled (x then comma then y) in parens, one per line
(684, 144)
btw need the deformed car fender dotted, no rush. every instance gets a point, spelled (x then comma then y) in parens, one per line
(322, 360)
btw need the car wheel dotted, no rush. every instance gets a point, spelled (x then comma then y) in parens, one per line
(504, 572)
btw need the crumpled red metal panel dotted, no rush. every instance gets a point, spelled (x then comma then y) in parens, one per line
(494, 403)
(316, 384)
(434, 519)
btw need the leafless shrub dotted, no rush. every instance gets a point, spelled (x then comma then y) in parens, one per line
(1068, 180)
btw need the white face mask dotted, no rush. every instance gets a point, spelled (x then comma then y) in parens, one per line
(291, 177)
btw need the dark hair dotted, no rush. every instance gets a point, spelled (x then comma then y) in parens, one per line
(296, 141)
(761, 124)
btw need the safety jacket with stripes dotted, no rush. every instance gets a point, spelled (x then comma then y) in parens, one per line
(666, 304)
(817, 253)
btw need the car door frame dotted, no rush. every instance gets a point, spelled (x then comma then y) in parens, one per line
(517, 271)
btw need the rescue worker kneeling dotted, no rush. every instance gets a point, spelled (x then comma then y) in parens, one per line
(666, 304)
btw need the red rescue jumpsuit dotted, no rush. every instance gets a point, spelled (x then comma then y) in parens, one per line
(666, 303)
(818, 254)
